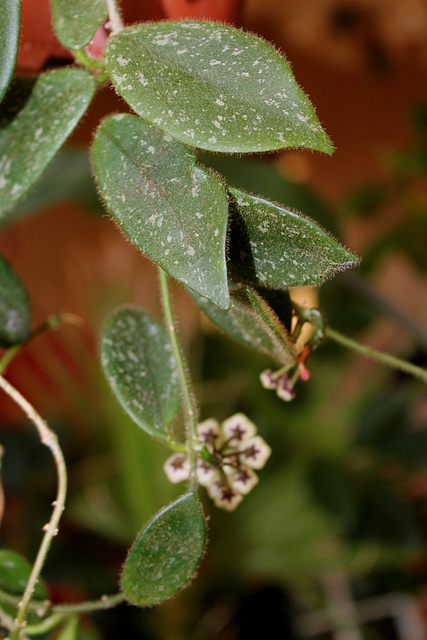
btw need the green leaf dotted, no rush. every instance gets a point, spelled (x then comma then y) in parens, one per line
(10, 19)
(255, 327)
(14, 307)
(171, 209)
(67, 179)
(262, 178)
(69, 629)
(137, 359)
(75, 21)
(213, 86)
(35, 120)
(166, 554)
(274, 247)
(14, 574)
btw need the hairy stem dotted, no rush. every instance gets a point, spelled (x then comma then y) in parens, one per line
(46, 608)
(90, 63)
(383, 358)
(49, 439)
(189, 405)
(115, 17)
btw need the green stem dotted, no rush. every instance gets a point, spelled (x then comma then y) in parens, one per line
(51, 322)
(45, 608)
(115, 17)
(90, 63)
(45, 626)
(190, 409)
(49, 439)
(371, 294)
(104, 602)
(8, 357)
(383, 358)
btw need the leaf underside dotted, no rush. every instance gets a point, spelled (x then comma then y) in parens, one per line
(213, 86)
(138, 362)
(173, 210)
(244, 323)
(35, 120)
(166, 554)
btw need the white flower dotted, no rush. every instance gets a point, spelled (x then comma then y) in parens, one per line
(256, 453)
(177, 467)
(243, 479)
(227, 454)
(206, 473)
(209, 432)
(285, 393)
(238, 428)
(226, 497)
(267, 379)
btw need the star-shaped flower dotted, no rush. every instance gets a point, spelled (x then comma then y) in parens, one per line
(227, 456)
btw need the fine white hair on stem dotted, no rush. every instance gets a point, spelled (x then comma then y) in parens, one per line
(49, 439)
(114, 16)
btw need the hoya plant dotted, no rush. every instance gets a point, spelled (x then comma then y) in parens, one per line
(189, 86)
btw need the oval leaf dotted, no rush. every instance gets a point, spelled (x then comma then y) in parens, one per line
(137, 359)
(166, 554)
(29, 138)
(171, 209)
(15, 571)
(213, 86)
(256, 329)
(14, 307)
(274, 247)
(75, 21)
(10, 19)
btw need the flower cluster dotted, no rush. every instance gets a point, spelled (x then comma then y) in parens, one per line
(282, 382)
(226, 458)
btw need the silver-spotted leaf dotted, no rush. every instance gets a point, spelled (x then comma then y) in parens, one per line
(75, 21)
(14, 307)
(166, 554)
(213, 87)
(138, 362)
(10, 18)
(274, 247)
(252, 323)
(173, 210)
(35, 120)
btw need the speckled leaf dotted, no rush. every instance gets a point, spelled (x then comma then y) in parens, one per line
(213, 86)
(10, 18)
(173, 210)
(14, 307)
(166, 554)
(14, 573)
(278, 248)
(75, 21)
(137, 359)
(35, 120)
(257, 329)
